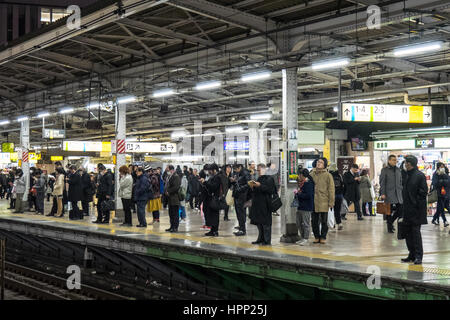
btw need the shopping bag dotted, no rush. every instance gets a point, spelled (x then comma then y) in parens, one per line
(294, 203)
(331, 221)
(229, 198)
(372, 192)
(384, 208)
(344, 207)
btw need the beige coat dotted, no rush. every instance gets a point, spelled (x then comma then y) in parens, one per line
(59, 185)
(323, 190)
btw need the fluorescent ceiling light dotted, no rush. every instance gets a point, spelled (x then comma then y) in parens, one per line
(261, 116)
(417, 49)
(4, 122)
(128, 99)
(43, 114)
(256, 76)
(335, 109)
(176, 135)
(234, 129)
(208, 85)
(93, 105)
(163, 93)
(66, 110)
(330, 64)
(24, 118)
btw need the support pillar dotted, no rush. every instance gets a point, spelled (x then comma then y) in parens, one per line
(253, 141)
(262, 146)
(25, 147)
(289, 143)
(121, 134)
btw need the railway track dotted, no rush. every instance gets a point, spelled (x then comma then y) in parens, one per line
(43, 286)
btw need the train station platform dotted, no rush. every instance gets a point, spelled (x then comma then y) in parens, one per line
(345, 264)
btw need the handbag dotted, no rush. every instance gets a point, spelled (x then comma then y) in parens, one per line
(248, 203)
(402, 229)
(218, 202)
(275, 202)
(432, 197)
(108, 205)
(344, 207)
(384, 208)
(294, 203)
(229, 198)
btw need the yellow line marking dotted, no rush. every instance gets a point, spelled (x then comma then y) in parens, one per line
(368, 260)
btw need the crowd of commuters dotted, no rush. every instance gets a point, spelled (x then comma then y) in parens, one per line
(320, 192)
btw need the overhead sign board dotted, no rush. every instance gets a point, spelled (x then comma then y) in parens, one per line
(236, 145)
(87, 146)
(386, 113)
(151, 147)
(56, 158)
(408, 144)
(7, 147)
(424, 143)
(53, 134)
(5, 157)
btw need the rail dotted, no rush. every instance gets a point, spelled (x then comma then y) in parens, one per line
(2, 267)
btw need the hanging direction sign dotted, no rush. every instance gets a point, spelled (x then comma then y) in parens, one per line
(386, 113)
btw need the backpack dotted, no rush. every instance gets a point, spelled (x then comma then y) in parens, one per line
(181, 194)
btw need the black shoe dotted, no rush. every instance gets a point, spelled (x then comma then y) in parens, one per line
(366, 215)
(407, 260)
(435, 222)
(360, 218)
(141, 226)
(257, 242)
(169, 230)
(50, 215)
(212, 234)
(237, 228)
(96, 221)
(174, 230)
(226, 219)
(266, 244)
(344, 218)
(239, 233)
(417, 261)
(103, 222)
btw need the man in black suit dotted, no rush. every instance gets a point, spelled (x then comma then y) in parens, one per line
(352, 192)
(74, 194)
(172, 185)
(415, 191)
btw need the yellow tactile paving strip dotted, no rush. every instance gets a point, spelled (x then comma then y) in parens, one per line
(277, 248)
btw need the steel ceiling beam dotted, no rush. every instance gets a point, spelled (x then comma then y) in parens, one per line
(163, 31)
(39, 71)
(108, 46)
(225, 14)
(22, 83)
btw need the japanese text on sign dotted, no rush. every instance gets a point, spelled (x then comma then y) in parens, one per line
(386, 113)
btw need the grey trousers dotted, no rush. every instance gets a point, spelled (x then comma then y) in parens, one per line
(304, 223)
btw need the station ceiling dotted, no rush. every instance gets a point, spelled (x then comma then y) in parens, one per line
(146, 45)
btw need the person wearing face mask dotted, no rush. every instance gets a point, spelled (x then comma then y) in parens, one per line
(441, 183)
(324, 199)
(173, 183)
(391, 179)
(352, 188)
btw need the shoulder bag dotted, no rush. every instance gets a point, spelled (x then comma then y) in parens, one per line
(275, 201)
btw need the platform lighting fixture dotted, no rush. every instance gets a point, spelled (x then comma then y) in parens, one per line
(335, 109)
(256, 76)
(43, 114)
(234, 129)
(417, 49)
(176, 135)
(23, 118)
(208, 85)
(66, 110)
(124, 100)
(93, 105)
(4, 122)
(163, 93)
(261, 116)
(330, 64)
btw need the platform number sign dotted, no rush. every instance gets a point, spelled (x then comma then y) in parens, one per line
(386, 113)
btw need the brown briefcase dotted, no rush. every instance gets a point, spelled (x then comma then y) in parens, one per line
(384, 208)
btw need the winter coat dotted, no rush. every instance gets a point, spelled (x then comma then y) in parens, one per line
(40, 185)
(141, 189)
(172, 187)
(305, 197)
(415, 192)
(260, 211)
(352, 191)
(105, 185)
(364, 187)
(440, 181)
(19, 183)
(59, 186)
(75, 188)
(391, 184)
(323, 190)
(225, 181)
(212, 190)
(126, 187)
(194, 185)
(241, 187)
(88, 191)
(339, 186)
(155, 185)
